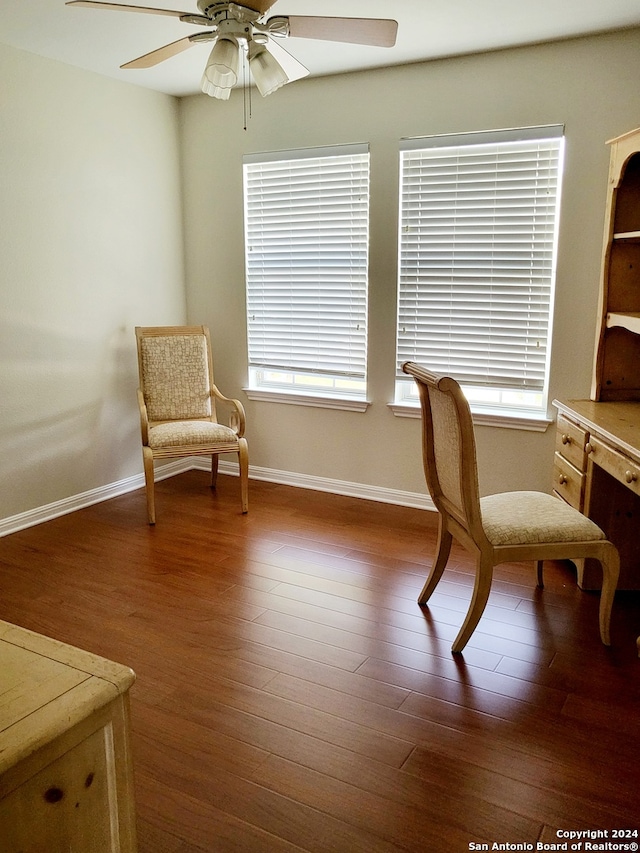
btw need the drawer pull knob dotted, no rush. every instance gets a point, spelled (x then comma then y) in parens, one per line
(588, 448)
(566, 439)
(630, 476)
(562, 479)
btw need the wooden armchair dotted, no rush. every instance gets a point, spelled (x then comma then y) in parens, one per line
(177, 398)
(507, 527)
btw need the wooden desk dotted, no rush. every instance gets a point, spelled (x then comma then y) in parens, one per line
(66, 778)
(597, 470)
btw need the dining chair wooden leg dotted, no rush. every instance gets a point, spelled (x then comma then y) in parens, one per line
(481, 589)
(443, 549)
(539, 573)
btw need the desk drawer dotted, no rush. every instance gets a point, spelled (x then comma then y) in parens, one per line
(614, 463)
(568, 482)
(570, 442)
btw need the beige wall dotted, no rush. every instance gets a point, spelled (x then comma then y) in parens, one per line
(90, 245)
(590, 85)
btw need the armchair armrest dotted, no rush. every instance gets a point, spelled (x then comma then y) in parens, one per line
(236, 416)
(144, 420)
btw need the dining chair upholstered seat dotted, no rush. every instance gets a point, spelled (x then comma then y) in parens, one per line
(177, 398)
(531, 518)
(506, 527)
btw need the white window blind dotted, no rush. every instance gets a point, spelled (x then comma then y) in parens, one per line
(307, 240)
(478, 233)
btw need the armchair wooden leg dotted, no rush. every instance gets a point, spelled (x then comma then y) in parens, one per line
(539, 573)
(610, 561)
(147, 459)
(215, 459)
(484, 576)
(243, 459)
(443, 549)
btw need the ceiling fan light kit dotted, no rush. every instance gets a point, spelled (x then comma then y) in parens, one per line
(266, 71)
(221, 71)
(239, 30)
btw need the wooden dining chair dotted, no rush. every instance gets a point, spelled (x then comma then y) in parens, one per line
(178, 405)
(506, 527)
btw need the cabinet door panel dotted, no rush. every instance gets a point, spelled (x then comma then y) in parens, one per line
(63, 806)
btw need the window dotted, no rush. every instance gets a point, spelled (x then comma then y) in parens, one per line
(478, 235)
(307, 243)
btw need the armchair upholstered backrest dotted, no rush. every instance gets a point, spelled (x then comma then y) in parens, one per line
(176, 377)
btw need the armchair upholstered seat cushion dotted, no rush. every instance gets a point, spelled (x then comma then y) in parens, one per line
(189, 434)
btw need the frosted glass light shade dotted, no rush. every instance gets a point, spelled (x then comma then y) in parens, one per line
(266, 70)
(215, 91)
(221, 72)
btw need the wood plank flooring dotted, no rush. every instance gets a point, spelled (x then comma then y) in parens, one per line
(292, 696)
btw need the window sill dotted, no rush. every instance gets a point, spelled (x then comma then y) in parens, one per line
(506, 420)
(346, 404)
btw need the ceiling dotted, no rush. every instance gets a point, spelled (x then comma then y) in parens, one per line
(99, 40)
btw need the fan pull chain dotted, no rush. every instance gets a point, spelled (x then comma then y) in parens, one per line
(246, 87)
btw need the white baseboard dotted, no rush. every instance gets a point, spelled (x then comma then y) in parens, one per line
(325, 484)
(14, 523)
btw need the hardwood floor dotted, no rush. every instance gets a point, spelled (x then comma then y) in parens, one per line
(292, 696)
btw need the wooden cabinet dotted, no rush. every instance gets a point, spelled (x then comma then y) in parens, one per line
(616, 374)
(66, 781)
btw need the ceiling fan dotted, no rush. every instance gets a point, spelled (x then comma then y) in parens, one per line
(240, 29)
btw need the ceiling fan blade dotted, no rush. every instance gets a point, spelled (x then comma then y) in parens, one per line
(292, 68)
(378, 32)
(95, 4)
(159, 55)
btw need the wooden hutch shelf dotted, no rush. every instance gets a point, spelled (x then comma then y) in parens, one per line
(616, 374)
(629, 321)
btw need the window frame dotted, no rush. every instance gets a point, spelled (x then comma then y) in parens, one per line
(495, 407)
(288, 248)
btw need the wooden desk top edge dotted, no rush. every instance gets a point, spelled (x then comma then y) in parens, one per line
(617, 423)
(82, 683)
(119, 675)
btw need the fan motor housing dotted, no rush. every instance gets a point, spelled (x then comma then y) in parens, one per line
(215, 10)
(209, 9)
